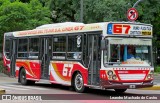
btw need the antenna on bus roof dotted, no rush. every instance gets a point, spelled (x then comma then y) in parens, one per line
(59, 25)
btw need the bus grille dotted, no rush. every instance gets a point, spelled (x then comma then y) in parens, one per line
(132, 76)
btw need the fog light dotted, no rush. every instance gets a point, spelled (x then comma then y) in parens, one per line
(110, 72)
(114, 77)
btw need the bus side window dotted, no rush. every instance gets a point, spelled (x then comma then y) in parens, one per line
(34, 47)
(59, 47)
(74, 47)
(22, 48)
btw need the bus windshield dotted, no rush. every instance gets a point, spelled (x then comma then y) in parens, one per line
(128, 55)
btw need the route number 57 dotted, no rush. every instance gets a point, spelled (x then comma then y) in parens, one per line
(121, 29)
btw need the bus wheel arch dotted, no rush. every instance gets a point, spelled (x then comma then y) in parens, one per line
(77, 82)
(22, 76)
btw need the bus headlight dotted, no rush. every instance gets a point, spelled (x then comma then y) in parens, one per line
(114, 77)
(110, 73)
(149, 76)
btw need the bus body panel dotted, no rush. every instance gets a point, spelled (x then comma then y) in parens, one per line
(6, 63)
(32, 68)
(125, 78)
(61, 72)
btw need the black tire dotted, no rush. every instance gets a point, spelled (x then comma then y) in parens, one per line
(79, 83)
(23, 79)
(120, 90)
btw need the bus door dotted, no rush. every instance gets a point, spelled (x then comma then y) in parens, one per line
(12, 56)
(94, 62)
(45, 56)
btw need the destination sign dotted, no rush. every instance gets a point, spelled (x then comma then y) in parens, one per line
(129, 29)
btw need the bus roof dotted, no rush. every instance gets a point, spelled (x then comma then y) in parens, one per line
(74, 27)
(59, 25)
(60, 28)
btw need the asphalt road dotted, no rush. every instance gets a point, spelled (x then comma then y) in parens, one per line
(50, 93)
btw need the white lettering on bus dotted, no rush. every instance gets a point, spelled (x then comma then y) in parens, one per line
(67, 69)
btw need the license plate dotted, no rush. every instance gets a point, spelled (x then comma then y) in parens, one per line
(132, 86)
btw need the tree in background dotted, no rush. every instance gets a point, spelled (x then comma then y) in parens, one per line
(94, 10)
(104, 10)
(39, 15)
(15, 15)
(107, 10)
(28, 14)
(62, 11)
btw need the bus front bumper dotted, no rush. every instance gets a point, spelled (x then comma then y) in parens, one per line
(125, 85)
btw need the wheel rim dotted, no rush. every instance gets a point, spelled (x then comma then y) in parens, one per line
(79, 82)
(23, 77)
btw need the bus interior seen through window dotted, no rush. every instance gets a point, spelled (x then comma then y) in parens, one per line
(122, 53)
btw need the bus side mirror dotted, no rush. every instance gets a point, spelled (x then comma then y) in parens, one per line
(104, 44)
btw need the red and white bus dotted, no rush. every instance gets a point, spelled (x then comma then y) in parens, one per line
(108, 55)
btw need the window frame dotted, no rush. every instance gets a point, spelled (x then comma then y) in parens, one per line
(7, 56)
(109, 56)
(64, 52)
(22, 52)
(82, 41)
(29, 38)
(28, 43)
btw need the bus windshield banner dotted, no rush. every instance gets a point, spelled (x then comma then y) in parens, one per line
(129, 29)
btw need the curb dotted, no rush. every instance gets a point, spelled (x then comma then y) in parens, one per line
(2, 91)
(155, 87)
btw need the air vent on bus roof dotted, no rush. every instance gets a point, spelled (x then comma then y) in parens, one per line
(59, 25)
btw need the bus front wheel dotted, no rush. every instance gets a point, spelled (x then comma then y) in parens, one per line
(120, 90)
(78, 83)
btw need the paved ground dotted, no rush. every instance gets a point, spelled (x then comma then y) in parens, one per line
(55, 92)
(155, 87)
(2, 91)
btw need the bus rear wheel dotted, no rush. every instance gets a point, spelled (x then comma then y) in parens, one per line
(78, 83)
(23, 79)
(120, 90)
